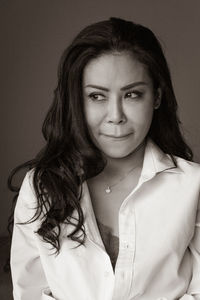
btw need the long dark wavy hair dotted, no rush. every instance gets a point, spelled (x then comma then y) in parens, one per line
(69, 156)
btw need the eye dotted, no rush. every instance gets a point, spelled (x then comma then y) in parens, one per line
(97, 97)
(134, 95)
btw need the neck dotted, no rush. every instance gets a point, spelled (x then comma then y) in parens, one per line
(119, 166)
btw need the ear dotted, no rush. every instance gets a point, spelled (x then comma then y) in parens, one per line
(158, 96)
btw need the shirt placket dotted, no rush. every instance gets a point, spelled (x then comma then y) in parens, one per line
(124, 267)
(94, 237)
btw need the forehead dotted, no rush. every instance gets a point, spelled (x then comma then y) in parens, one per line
(119, 68)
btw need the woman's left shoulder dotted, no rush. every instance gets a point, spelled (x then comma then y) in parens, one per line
(188, 167)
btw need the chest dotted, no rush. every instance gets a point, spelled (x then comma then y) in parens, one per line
(106, 206)
(156, 226)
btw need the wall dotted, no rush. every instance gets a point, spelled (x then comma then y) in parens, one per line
(33, 35)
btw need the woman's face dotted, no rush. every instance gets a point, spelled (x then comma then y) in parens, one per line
(118, 103)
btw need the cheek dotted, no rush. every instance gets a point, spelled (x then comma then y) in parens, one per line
(142, 116)
(93, 118)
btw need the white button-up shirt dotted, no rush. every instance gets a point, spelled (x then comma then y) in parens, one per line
(159, 242)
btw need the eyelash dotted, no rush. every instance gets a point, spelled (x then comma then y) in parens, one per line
(137, 93)
(93, 95)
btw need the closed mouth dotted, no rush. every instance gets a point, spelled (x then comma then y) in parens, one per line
(117, 137)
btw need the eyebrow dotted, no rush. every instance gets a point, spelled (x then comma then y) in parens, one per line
(127, 87)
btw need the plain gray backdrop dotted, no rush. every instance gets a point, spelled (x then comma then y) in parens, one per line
(34, 34)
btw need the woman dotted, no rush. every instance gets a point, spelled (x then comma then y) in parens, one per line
(109, 208)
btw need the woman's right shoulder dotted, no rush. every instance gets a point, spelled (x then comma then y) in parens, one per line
(27, 187)
(27, 203)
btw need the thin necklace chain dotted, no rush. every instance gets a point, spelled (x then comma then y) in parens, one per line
(108, 189)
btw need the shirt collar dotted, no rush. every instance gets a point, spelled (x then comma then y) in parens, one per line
(156, 161)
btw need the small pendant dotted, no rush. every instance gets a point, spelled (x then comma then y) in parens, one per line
(108, 190)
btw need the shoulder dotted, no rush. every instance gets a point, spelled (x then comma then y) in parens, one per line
(187, 165)
(27, 201)
(28, 180)
(188, 168)
(27, 187)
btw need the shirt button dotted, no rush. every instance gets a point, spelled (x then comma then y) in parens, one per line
(125, 245)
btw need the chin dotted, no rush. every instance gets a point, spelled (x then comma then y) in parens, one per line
(120, 151)
(116, 153)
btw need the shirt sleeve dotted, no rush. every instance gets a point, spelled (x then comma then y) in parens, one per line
(29, 281)
(193, 292)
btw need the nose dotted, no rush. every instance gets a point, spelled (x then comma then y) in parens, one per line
(115, 112)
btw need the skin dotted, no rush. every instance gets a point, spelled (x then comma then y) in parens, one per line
(119, 101)
(118, 116)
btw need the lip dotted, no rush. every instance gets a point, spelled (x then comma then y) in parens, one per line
(117, 138)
